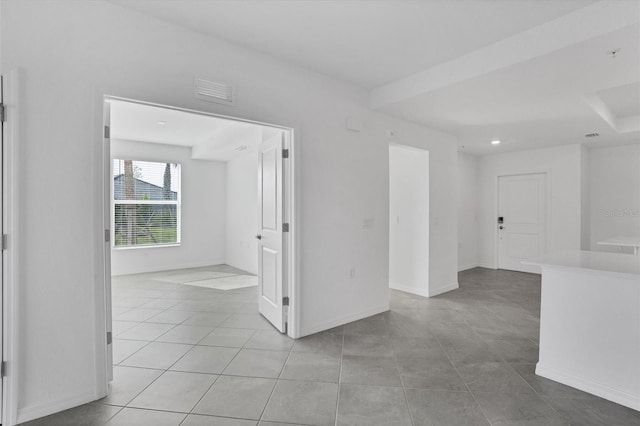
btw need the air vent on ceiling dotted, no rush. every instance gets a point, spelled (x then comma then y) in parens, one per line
(212, 91)
(591, 135)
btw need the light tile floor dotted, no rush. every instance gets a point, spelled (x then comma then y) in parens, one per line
(186, 355)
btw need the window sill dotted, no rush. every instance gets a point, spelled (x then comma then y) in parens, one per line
(155, 246)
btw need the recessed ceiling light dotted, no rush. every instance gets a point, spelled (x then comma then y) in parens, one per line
(592, 135)
(495, 142)
(241, 148)
(162, 123)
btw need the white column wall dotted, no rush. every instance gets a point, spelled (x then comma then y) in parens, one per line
(468, 256)
(409, 220)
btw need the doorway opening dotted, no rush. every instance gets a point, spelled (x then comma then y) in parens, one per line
(409, 219)
(522, 220)
(199, 252)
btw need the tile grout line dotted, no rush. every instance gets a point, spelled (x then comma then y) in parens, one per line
(221, 372)
(508, 365)
(404, 389)
(340, 376)
(277, 379)
(462, 379)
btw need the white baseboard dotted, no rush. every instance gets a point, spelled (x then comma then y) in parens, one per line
(486, 265)
(615, 395)
(160, 268)
(444, 289)
(409, 289)
(343, 320)
(36, 411)
(469, 266)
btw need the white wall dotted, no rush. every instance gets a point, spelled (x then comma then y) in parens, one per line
(585, 198)
(203, 212)
(242, 210)
(563, 167)
(409, 219)
(71, 53)
(467, 211)
(615, 194)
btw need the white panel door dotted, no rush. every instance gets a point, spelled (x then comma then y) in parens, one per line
(2, 227)
(108, 213)
(270, 256)
(521, 208)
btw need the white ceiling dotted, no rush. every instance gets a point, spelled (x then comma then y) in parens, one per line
(532, 73)
(624, 100)
(537, 103)
(368, 42)
(210, 138)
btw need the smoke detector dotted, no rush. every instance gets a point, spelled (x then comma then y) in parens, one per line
(613, 53)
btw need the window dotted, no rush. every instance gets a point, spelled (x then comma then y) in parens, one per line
(146, 203)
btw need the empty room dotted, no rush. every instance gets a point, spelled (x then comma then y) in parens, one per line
(284, 212)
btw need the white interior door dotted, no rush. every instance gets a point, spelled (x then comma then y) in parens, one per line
(521, 220)
(108, 233)
(2, 231)
(270, 240)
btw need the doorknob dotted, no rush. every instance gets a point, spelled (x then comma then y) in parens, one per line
(259, 236)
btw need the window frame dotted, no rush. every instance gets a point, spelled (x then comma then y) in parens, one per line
(177, 202)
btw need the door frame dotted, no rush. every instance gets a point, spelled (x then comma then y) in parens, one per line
(10, 220)
(496, 207)
(291, 201)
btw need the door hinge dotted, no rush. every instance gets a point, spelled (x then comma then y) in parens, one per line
(285, 153)
(109, 337)
(285, 227)
(107, 132)
(107, 235)
(3, 116)
(3, 369)
(285, 301)
(5, 241)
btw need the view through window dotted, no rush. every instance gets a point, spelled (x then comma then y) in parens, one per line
(146, 201)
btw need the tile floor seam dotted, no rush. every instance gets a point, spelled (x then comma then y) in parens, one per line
(126, 358)
(201, 397)
(541, 396)
(144, 389)
(339, 379)
(235, 356)
(166, 310)
(157, 410)
(404, 389)
(114, 414)
(469, 390)
(277, 379)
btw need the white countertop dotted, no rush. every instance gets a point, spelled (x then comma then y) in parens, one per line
(616, 263)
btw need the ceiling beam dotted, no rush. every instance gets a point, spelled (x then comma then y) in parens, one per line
(592, 21)
(618, 124)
